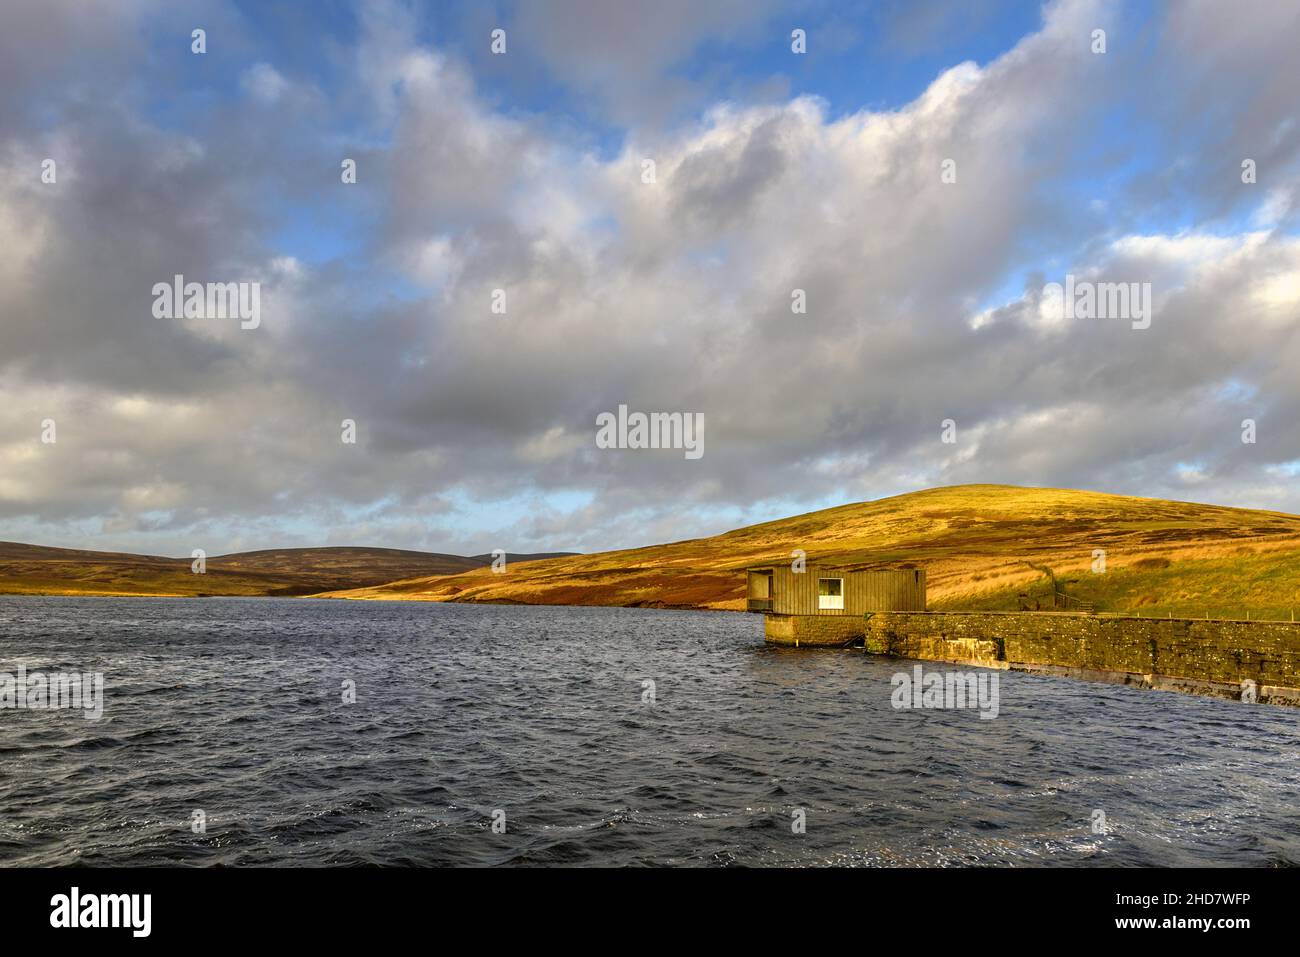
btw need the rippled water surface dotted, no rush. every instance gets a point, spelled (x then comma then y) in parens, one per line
(234, 707)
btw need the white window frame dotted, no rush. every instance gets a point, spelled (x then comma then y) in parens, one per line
(830, 602)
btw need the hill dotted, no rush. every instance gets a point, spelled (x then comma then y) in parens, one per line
(38, 570)
(1162, 557)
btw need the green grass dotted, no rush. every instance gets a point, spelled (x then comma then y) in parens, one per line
(1258, 586)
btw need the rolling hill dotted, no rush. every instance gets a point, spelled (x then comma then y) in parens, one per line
(974, 541)
(38, 570)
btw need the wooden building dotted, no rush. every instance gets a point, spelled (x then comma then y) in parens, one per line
(829, 590)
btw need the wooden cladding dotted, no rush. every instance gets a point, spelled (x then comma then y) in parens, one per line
(780, 590)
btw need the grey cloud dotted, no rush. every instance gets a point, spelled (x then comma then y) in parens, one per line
(626, 56)
(671, 297)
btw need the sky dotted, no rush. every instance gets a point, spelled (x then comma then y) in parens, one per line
(504, 270)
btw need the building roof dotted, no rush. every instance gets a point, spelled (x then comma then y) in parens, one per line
(828, 567)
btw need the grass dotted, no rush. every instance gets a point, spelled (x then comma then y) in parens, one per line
(973, 541)
(1260, 586)
(35, 570)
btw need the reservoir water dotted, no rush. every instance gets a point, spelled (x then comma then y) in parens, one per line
(594, 736)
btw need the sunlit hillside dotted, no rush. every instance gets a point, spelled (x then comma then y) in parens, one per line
(976, 543)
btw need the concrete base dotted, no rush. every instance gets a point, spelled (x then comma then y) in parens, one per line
(812, 631)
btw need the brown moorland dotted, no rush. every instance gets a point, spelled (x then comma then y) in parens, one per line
(977, 543)
(38, 570)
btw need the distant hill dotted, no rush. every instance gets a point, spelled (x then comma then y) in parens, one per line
(973, 541)
(36, 569)
(522, 556)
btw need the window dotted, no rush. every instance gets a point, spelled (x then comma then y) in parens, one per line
(830, 594)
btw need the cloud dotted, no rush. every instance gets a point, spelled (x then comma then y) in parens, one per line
(476, 427)
(262, 82)
(629, 60)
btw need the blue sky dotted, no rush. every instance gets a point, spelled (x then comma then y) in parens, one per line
(523, 172)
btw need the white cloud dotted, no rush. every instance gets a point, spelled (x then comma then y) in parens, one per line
(263, 82)
(671, 296)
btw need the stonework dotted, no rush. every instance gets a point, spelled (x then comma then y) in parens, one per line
(812, 631)
(1219, 658)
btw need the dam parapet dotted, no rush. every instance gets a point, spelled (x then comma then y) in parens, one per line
(1243, 660)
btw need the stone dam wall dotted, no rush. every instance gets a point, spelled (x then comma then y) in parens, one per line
(1229, 659)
